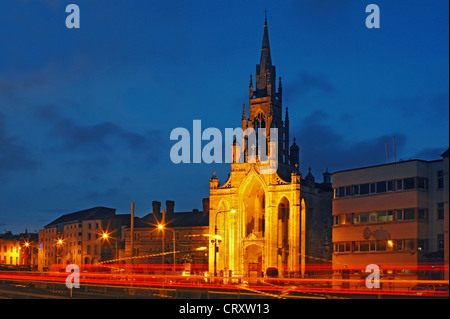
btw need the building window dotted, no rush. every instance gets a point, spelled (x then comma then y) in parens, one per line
(363, 246)
(422, 183)
(348, 218)
(390, 186)
(381, 245)
(381, 216)
(390, 215)
(422, 214)
(372, 188)
(355, 218)
(348, 191)
(421, 244)
(408, 244)
(342, 247)
(408, 183)
(399, 184)
(440, 210)
(381, 187)
(408, 214)
(440, 179)
(364, 218)
(355, 189)
(364, 189)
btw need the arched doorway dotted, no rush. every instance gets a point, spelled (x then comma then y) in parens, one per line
(253, 261)
(254, 201)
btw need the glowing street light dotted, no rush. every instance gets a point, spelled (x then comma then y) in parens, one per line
(162, 227)
(217, 238)
(105, 236)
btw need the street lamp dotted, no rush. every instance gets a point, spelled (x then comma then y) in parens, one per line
(107, 237)
(217, 239)
(162, 227)
(59, 245)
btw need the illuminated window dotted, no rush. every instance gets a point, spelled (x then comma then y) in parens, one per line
(381, 216)
(390, 215)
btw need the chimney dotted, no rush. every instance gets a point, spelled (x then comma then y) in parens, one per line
(156, 210)
(205, 206)
(170, 207)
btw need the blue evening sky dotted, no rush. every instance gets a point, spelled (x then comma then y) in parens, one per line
(86, 114)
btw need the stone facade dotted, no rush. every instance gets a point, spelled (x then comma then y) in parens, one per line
(259, 218)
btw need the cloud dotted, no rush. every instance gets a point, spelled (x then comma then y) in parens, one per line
(434, 104)
(306, 83)
(13, 155)
(430, 153)
(101, 138)
(107, 194)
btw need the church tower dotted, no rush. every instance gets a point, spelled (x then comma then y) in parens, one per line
(266, 110)
(257, 219)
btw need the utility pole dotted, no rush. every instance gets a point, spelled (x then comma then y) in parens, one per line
(132, 232)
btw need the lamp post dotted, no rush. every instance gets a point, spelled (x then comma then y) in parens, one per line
(216, 239)
(107, 237)
(59, 245)
(163, 228)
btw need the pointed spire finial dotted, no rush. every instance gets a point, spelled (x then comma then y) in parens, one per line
(265, 16)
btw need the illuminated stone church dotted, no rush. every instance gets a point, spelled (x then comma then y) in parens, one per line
(261, 220)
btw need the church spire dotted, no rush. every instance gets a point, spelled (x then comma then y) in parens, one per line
(265, 72)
